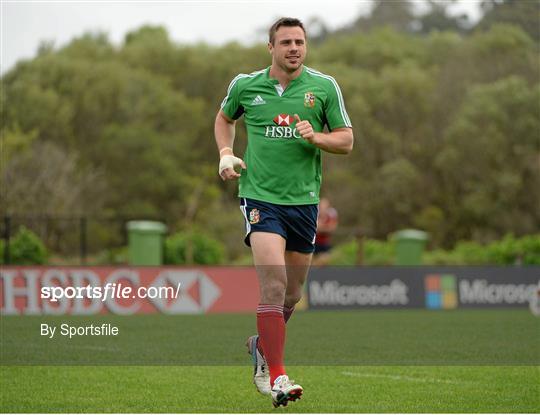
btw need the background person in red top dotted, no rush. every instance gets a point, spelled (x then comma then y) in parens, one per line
(327, 222)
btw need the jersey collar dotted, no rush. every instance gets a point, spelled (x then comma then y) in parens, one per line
(299, 78)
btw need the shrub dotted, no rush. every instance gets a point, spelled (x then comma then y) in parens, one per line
(375, 253)
(192, 247)
(507, 251)
(530, 249)
(112, 256)
(379, 252)
(26, 248)
(344, 254)
(510, 251)
(464, 253)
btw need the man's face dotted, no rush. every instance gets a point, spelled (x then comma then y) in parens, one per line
(289, 48)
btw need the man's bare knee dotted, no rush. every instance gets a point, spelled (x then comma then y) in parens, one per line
(273, 292)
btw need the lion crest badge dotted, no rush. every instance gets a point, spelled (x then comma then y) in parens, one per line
(309, 100)
(254, 216)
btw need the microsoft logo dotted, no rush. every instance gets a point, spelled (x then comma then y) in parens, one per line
(441, 291)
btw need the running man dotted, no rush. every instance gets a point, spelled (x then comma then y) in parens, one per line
(285, 107)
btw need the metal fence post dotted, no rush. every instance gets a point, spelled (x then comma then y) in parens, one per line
(7, 236)
(82, 241)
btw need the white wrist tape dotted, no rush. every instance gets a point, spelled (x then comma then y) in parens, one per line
(229, 162)
(224, 149)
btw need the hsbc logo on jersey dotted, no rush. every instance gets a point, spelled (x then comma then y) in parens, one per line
(282, 127)
(283, 120)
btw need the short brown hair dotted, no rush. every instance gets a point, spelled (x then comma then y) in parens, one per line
(284, 21)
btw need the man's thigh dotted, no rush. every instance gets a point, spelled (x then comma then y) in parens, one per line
(269, 258)
(268, 249)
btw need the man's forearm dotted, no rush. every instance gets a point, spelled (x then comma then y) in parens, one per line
(337, 142)
(224, 131)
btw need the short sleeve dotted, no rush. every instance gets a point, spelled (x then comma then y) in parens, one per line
(231, 104)
(335, 112)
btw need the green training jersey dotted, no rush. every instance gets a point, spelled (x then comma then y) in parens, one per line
(282, 167)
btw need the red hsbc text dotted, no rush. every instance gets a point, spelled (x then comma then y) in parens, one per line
(110, 290)
(101, 290)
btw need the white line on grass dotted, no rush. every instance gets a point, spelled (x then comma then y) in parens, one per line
(398, 377)
(77, 346)
(100, 348)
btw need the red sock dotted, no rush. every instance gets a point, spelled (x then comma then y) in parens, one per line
(287, 312)
(271, 327)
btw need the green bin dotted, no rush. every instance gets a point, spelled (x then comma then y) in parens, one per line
(410, 244)
(145, 240)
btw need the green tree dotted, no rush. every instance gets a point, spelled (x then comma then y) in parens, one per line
(489, 165)
(438, 18)
(397, 15)
(444, 126)
(522, 13)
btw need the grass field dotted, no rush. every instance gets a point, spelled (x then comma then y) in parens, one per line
(368, 361)
(229, 389)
